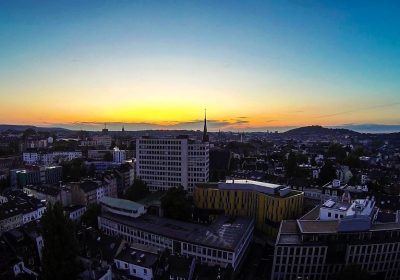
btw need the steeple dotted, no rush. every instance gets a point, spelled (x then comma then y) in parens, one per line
(205, 135)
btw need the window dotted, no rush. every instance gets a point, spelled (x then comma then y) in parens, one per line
(329, 214)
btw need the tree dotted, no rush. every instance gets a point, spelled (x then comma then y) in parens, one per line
(337, 151)
(137, 191)
(60, 245)
(74, 170)
(313, 162)
(108, 156)
(89, 218)
(352, 272)
(4, 184)
(176, 205)
(91, 171)
(291, 164)
(327, 173)
(28, 132)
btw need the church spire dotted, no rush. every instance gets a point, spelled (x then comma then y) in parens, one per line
(205, 135)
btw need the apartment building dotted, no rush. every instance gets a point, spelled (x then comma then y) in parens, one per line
(138, 261)
(49, 193)
(92, 191)
(19, 210)
(35, 157)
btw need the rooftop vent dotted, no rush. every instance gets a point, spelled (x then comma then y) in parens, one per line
(329, 203)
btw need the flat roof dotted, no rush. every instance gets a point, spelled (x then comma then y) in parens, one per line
(313, 214)
(336, 205)
(225, 233)
(252, 182)
(318, 226)
(121, 203)
(289, 227)
(45, 189)
(262, 187)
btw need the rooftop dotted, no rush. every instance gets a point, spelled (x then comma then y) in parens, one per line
(88, 186)
(138, 255)
(45, 189)
(225, 233)
(318, 226)
(121, 203)
(18, 205)
(257, 186)
(293, 231)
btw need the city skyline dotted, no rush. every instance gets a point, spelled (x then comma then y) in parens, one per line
(158, 65)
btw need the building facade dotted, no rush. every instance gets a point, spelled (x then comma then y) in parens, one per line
(319, 245)
(172, 162)
(35, 175)
(119, 156)
(34, 157)
(20, 209)
(92, 191)
(49, 193)
(224, 243)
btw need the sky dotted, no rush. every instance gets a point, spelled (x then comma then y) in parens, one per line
(255, 65)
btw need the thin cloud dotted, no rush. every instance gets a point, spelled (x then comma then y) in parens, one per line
(360, 110)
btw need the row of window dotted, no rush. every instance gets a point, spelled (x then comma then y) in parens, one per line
(159, 158)
(156, 162)
(159, 147)
(133, 235)
(144, 167)
(174, 153)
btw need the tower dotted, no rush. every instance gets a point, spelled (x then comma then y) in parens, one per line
(205, 135)
(105, 130)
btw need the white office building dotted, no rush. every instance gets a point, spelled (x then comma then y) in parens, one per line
(172, 162)
(164, 163)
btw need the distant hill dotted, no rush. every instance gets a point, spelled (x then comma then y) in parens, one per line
(372, 128)
(18, 128)
(319, 130)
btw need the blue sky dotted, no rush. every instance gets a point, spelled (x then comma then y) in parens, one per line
(276, 63)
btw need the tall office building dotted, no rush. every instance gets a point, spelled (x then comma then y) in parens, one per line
(172, 162)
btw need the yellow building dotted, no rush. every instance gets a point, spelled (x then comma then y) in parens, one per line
(269, 204)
